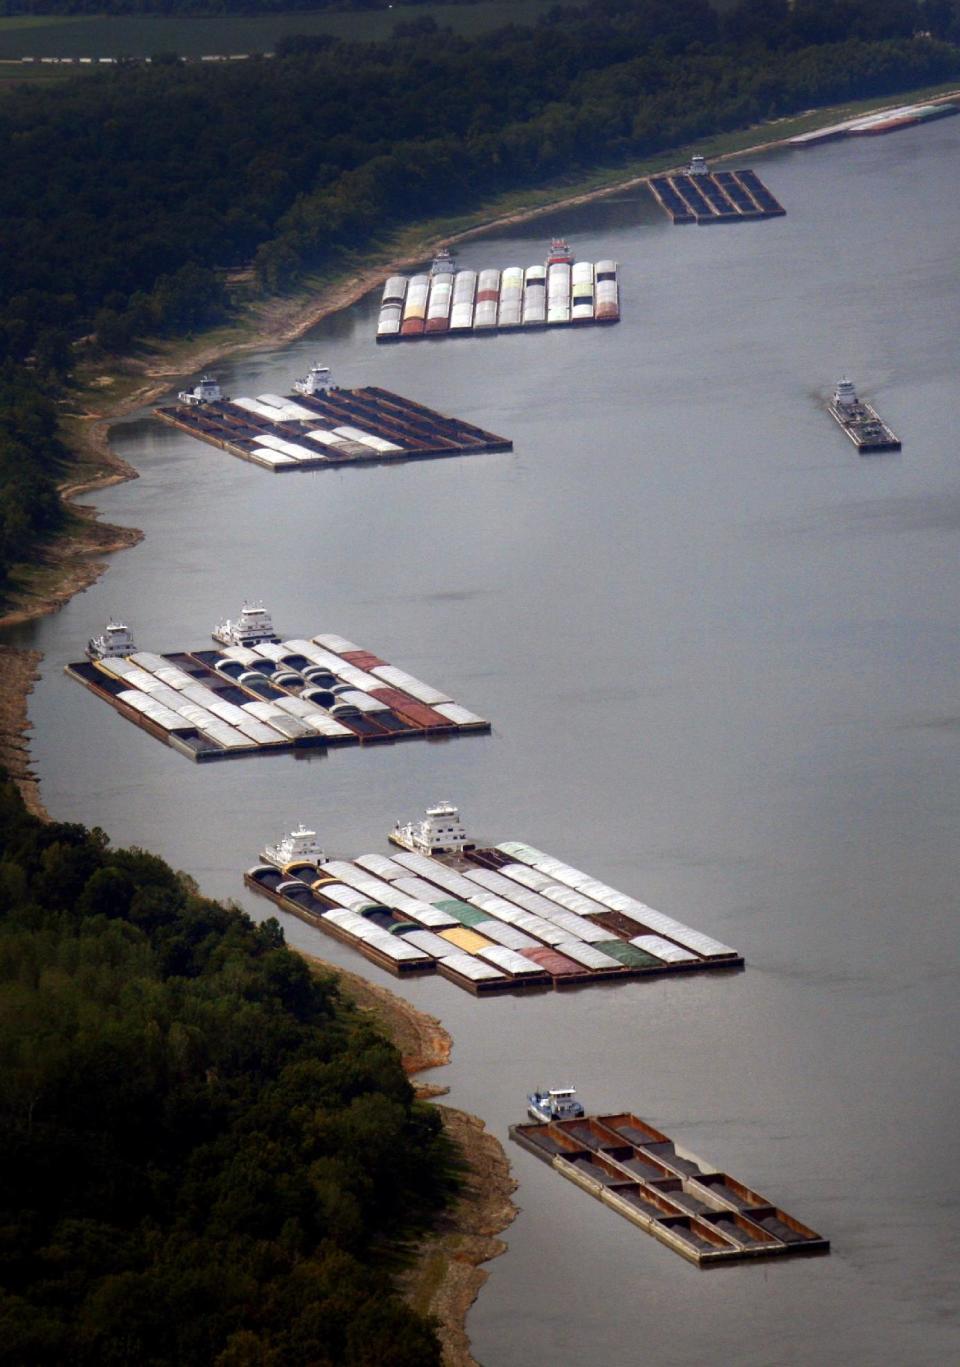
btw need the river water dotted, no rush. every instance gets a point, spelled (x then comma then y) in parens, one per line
(720, 653)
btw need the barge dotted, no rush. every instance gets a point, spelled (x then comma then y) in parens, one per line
(705, 1215)
(489, 919)
(447, 302)
(882, 121)
(257, 694)
(860, 421)
(698, 195)
(321, 425)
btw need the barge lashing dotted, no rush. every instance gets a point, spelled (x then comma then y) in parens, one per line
(334, 427)
(210, 705)
(487, 932)
(703, 1214)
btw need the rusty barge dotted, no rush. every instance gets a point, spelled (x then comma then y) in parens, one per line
(703, 1214)
(490, 919)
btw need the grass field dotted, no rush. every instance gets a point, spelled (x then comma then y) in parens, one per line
(143, 35)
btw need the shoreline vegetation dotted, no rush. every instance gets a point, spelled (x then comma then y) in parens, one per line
(446, 1273)
(71, 561)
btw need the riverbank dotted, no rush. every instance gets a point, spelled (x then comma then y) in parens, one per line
(446, 1273)
(103, 397)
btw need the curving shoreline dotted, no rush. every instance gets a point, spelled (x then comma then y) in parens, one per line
(446, 1273)
(276, 323)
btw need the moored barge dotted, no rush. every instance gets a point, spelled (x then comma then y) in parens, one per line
(484, 917)
(257, 694)
(698, 195)
(701, 1213)
(447, 302)
(321, 425)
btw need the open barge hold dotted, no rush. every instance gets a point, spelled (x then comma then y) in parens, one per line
(704, 1215)
(272, 697)
(699, 196)
(860, 421)
(489, 919)
(322, 425)
(445, 302)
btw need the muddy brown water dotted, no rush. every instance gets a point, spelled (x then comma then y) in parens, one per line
(720, 653)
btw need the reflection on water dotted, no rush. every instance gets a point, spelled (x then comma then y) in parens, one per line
(720, 654)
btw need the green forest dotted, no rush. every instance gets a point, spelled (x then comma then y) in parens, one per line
(129, 194)
(210, 1158)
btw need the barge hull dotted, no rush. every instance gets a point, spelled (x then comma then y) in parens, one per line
(680, 1211)
(887, 441)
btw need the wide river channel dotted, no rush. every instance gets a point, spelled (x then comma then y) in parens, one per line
(719, 650)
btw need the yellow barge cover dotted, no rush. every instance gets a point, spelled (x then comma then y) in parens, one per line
(466, 939)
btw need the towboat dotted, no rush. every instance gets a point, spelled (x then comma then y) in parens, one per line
(439, 832)
(114, 643)
(557, 1103)
(860, 420)
(444, 263)
(207, 391)
(300, 845)
(560, 253)
(253, 626)
(317, 380)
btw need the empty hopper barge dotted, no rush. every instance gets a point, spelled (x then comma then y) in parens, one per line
(705, 1215)
(698, 195)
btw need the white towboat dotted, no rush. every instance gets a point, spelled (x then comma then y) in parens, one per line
(114, 643)
(253, 626)
(300, 845)
(444, 263)
(557, 1103)
(698, 166)
(207, 391)
(440, 832)
(317, 380)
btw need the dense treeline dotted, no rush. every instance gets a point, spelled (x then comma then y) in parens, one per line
(199, 6)
(194, 6)
(31, 457)
(129, 195)
(207, 1155)
(125, 194)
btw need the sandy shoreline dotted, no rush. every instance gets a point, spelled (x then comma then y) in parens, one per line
(447, 1273)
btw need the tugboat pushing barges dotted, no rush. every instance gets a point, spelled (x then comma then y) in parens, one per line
(860, 420)
(557, 1103)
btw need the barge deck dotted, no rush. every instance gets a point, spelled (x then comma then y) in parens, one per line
(296, 695)
(714, 197)
(451, 303)
(367, 426)
(703, 1214)
(866, 429)
(486, 919)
